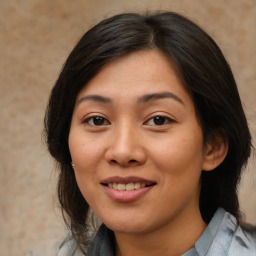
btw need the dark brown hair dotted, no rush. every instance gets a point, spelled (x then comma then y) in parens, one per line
(202, 69)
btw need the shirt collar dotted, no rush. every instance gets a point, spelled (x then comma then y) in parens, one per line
(103, 243)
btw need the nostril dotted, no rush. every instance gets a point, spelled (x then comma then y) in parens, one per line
(132, 161)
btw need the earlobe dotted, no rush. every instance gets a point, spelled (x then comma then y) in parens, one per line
(215, 151)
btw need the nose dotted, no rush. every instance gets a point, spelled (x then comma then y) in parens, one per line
(126, 147)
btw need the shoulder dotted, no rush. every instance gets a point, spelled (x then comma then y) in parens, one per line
(69, 248)
(102, 244)
(242, 239)
(243, 243)
(226, 238)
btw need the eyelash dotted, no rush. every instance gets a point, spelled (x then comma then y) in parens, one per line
(103, 121)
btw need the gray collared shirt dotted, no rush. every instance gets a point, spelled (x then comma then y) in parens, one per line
(222, 237)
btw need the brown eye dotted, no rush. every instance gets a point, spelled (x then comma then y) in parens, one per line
(159, 120)
(96, 121)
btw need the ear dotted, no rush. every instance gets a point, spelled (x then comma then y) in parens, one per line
(215, 150)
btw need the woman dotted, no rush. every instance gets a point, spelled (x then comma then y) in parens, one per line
(146, 124)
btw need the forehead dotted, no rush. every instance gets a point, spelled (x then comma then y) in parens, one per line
(135, 74)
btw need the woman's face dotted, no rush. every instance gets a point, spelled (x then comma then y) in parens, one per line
(137, 146)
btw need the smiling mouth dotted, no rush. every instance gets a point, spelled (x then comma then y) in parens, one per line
(127, 187)
(127, 183)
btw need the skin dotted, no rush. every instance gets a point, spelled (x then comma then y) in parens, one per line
(127, 142)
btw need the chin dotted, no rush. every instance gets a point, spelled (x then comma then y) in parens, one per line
(126, 226)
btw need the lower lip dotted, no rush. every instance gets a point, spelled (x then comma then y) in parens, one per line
(125, 196)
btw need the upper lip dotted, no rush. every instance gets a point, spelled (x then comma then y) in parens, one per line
(126, 180)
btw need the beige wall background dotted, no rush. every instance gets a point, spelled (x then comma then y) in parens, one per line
(35, 39)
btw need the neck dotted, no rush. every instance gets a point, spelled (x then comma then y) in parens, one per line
(173, 239)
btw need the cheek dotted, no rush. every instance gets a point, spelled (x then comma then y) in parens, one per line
(84, 150)
(179, 154)
(85, 157)
(179, 162)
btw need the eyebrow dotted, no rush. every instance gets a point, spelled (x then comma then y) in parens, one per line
(98, 98)
(143, 99)
(161, 95)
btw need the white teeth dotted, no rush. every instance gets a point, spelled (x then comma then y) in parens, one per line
(120, 186)
(129, 186)
(137, 185)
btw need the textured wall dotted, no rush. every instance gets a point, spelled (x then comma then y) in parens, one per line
(36, 36)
